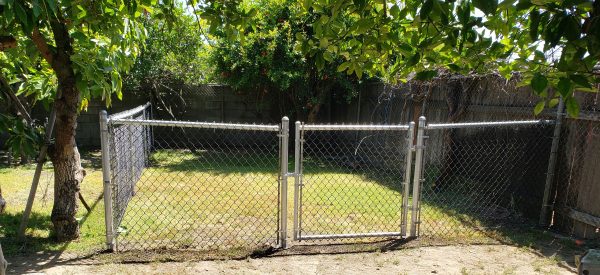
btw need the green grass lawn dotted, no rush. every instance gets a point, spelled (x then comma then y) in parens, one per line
(211, 200)
(16, 183)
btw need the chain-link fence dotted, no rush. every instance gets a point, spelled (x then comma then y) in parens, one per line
(177, 184)
(192, 185)
(352, 181)
(481, 177)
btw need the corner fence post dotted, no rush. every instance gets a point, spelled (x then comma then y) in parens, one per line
(407, 177)
(108, 211)
(284, 136)
(297, 175)
(546, 210)
(418, 178)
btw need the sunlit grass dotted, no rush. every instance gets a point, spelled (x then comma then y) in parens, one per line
(211, 200)
(16, 183)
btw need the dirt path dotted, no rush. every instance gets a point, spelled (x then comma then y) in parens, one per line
(481, 259)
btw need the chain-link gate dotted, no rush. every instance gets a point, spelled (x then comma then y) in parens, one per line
(473, 178)
(351, 180)
(178, 184)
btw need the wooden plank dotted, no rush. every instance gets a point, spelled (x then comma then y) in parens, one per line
(584, 218)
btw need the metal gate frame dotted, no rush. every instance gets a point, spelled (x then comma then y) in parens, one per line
(423, 128)
(126, 118)
(300, 129)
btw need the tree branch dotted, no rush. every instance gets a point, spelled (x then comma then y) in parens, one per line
(42, 46)
(7, 42)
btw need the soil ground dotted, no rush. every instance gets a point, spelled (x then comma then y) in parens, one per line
(458, 259)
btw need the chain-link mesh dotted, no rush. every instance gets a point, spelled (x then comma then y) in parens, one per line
(576, 176)
(483, 179)
(189, 187)
(352, 181)
(129, 148)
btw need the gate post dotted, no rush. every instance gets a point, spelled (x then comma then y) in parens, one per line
(418, 178)
(108, 210)
(407, 177)
(297, 175)
(284, 135)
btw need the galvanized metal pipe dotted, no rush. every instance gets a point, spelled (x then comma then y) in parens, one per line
(284, 135)
(328, 127)
(407, 177)
(417, 179)
(108, 211)
(129, 113)
(297, 172)
(487, 124)
(191, 124)
(351, 235)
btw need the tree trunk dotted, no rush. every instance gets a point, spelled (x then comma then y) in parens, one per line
(2, 202)
(3, 263)
(68, 173)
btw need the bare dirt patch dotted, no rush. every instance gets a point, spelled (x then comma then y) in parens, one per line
(473, 259)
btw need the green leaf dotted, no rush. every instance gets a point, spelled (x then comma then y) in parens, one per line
(21, 13)
(580, 80)
(395, 11)
(426, 9)
(539, 83)
(564, 86)
(539, 107)
(426, 75)
(413, 60)
(486, 6)
(344, 66)
(453, 67)
(572, 106)
(534, 24)
(52, 5)
(37, 9)
(553, 102)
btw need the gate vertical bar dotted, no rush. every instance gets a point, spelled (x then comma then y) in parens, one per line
(296, 177)
(108, 210)
(418, 177)
(284, 135)
(407, 177)
(545, 212)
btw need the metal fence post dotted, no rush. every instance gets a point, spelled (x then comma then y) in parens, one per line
(418, 177)
(545, 212)
(407, 177)
(297, 175)
(108, 210)
(284, 135)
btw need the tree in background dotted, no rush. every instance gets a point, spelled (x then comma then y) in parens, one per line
(175, 50)
(551, 43)
(68, 52)
(268, 60)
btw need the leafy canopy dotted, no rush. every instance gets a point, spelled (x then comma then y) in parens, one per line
(105, 37)
(553, 44)
(269, 57)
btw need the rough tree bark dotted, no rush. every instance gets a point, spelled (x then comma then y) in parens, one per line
(2, 202)
(68, 173)
(3, 263)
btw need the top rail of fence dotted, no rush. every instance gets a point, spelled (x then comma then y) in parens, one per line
(487, 124)
(193, 124)
(129, 113)
(331, 127)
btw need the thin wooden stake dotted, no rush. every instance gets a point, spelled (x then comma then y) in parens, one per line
(36, 176)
